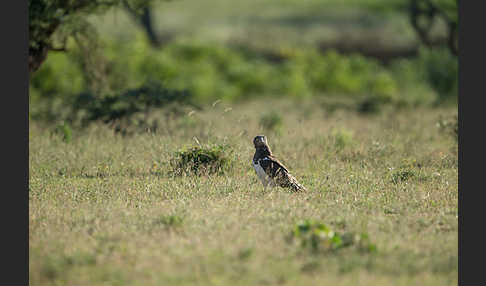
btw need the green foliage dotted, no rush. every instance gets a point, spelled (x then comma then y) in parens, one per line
(271, 121)
(202, 160)
(53, 87)
(58, 77)
(52, 22)
(210, 72)
(402, 175)
(319, 238)
(124, 107)
(441, 72)
(169, 221)
(56, 267)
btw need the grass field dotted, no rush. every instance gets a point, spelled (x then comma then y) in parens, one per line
(104, 208)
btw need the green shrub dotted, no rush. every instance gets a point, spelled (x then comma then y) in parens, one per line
(169, 221)
(52, 87)
(210, 72)
(441, 71)
(431, 77)
(402, 175)
(319, 238)
(414, 89)
(122, 109)
(202, 160)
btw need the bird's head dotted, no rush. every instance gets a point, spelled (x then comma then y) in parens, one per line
(260, 141)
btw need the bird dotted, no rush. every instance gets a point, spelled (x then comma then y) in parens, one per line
(270, 170)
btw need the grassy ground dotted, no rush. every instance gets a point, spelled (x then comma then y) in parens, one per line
(104, 209)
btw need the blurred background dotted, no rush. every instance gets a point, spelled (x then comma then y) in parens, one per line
(112, 61)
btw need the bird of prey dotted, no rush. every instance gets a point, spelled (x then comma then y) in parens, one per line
(270, 170)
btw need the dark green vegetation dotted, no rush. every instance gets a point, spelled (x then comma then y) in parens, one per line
(207, 73)
(286, 49)
(202, 160)
(319, 238)
(140, 145)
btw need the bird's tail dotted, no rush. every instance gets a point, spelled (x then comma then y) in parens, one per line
(286, 180)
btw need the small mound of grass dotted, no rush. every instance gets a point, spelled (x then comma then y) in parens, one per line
(202, 160)
(319, 238)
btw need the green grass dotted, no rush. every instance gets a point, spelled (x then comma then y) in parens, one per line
(104, 209)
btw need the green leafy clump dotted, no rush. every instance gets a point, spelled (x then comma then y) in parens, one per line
(271, 121)
(211, 72)
(128, 108)
(402, 175)
(169, 221)
(319, 238)
(441, 71)
(202, 160)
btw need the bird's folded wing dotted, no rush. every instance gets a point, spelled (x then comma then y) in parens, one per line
(271, 165)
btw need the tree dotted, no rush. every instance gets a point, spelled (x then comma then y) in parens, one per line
(425, 13)
(48, 17)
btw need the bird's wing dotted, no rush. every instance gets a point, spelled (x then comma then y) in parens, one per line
(271, 165)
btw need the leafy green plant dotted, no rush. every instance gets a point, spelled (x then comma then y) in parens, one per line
(169, 221)
(440, 69)
(211, 72)
(319, 238)
(122, 109)
(51, 19)
(202, 160)
(402, 175)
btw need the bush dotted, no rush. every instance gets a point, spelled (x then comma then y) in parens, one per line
(169, 221)
(430, 78)
(122, 109)
(53, 86)
(210, 72)
(319, 238)
(202, 160)
(441, 72)
(402, 175)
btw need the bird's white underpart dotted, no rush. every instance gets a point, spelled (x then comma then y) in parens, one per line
(264, 178)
